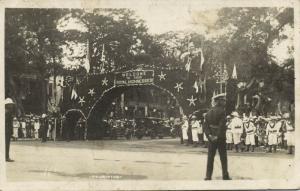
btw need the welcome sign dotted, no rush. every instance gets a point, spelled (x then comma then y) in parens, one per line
(134, 77)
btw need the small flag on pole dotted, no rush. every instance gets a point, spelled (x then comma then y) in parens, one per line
(188, 64)
(87, 59)
(234, 73)
(196, 86)
(202, 60)
(74, 94)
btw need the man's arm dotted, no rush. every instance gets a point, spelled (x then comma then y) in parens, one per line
(207, 129)
(222, 123)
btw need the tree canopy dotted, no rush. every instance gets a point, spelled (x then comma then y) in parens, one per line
(119, 40)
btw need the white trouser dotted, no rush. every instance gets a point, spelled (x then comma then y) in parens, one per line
(15, 132)
(229, 137)
(290, 138)
(36, 134)
(250, 139)
(195, 134)
(237, 138)
(184, 134)
(272, 139)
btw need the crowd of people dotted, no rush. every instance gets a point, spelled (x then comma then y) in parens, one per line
(244, 133)
(34, 127)
(46, 127)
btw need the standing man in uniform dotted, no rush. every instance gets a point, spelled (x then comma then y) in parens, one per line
(44, 127)
(195, 129)
(229, 137)
(9, 108)
(184, 130)
(236, 127)
(290, 132)
(215, 130)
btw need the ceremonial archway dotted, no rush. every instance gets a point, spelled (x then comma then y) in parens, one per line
(95, 93)
(99, 109)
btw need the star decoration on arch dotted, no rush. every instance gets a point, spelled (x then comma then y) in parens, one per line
(91, 92)
(104, 82)
(192, 101)
(162, 76)
(179, 86)
(81, 101)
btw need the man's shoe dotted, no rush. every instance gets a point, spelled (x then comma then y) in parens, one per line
(207, 178)
(9, 160)
(226, 178)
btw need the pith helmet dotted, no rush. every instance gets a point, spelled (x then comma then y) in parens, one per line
(235, 114)
(9, 101)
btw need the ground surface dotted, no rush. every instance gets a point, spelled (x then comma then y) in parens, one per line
(163, 159)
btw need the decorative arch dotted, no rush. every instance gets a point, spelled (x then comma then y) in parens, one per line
(78, 110)
(188, 88)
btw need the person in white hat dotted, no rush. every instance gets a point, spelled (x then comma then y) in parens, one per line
(250, 134)
(16, 126)
(9, 110)
(236, 127)
(229, 136)
(290, 132)
(184, 129)
(272, 132)
(195, 128)
(44, 127)
(36, 127)
(177, 126)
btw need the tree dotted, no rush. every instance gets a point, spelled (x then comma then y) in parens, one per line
(116, 35)
(251, 34)
(32, 45)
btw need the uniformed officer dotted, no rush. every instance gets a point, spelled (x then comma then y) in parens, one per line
(215, 130)
(272, 132)
(44, 127)
(195, 129)
(9, 108)
(250, 134)
(184, 129)
(236, 126)
(290, 132)
(229, 137)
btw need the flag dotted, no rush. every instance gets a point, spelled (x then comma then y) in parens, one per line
(202, 60)
(87, 59)
(196, 86)
(188, 64)
(102, 59)
(74, 94)
(102, 53)
(234, 74)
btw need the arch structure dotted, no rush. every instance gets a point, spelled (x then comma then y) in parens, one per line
(94, 94)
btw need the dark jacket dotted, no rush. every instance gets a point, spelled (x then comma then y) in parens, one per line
(8, 123)
(215, 122)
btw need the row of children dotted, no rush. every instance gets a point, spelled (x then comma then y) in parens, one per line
(270, 132)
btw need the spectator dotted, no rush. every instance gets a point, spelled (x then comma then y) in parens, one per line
(36, 127)
(195, 128)
(236, 126)
(44, 127)
(184, 129)
(16, 125)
